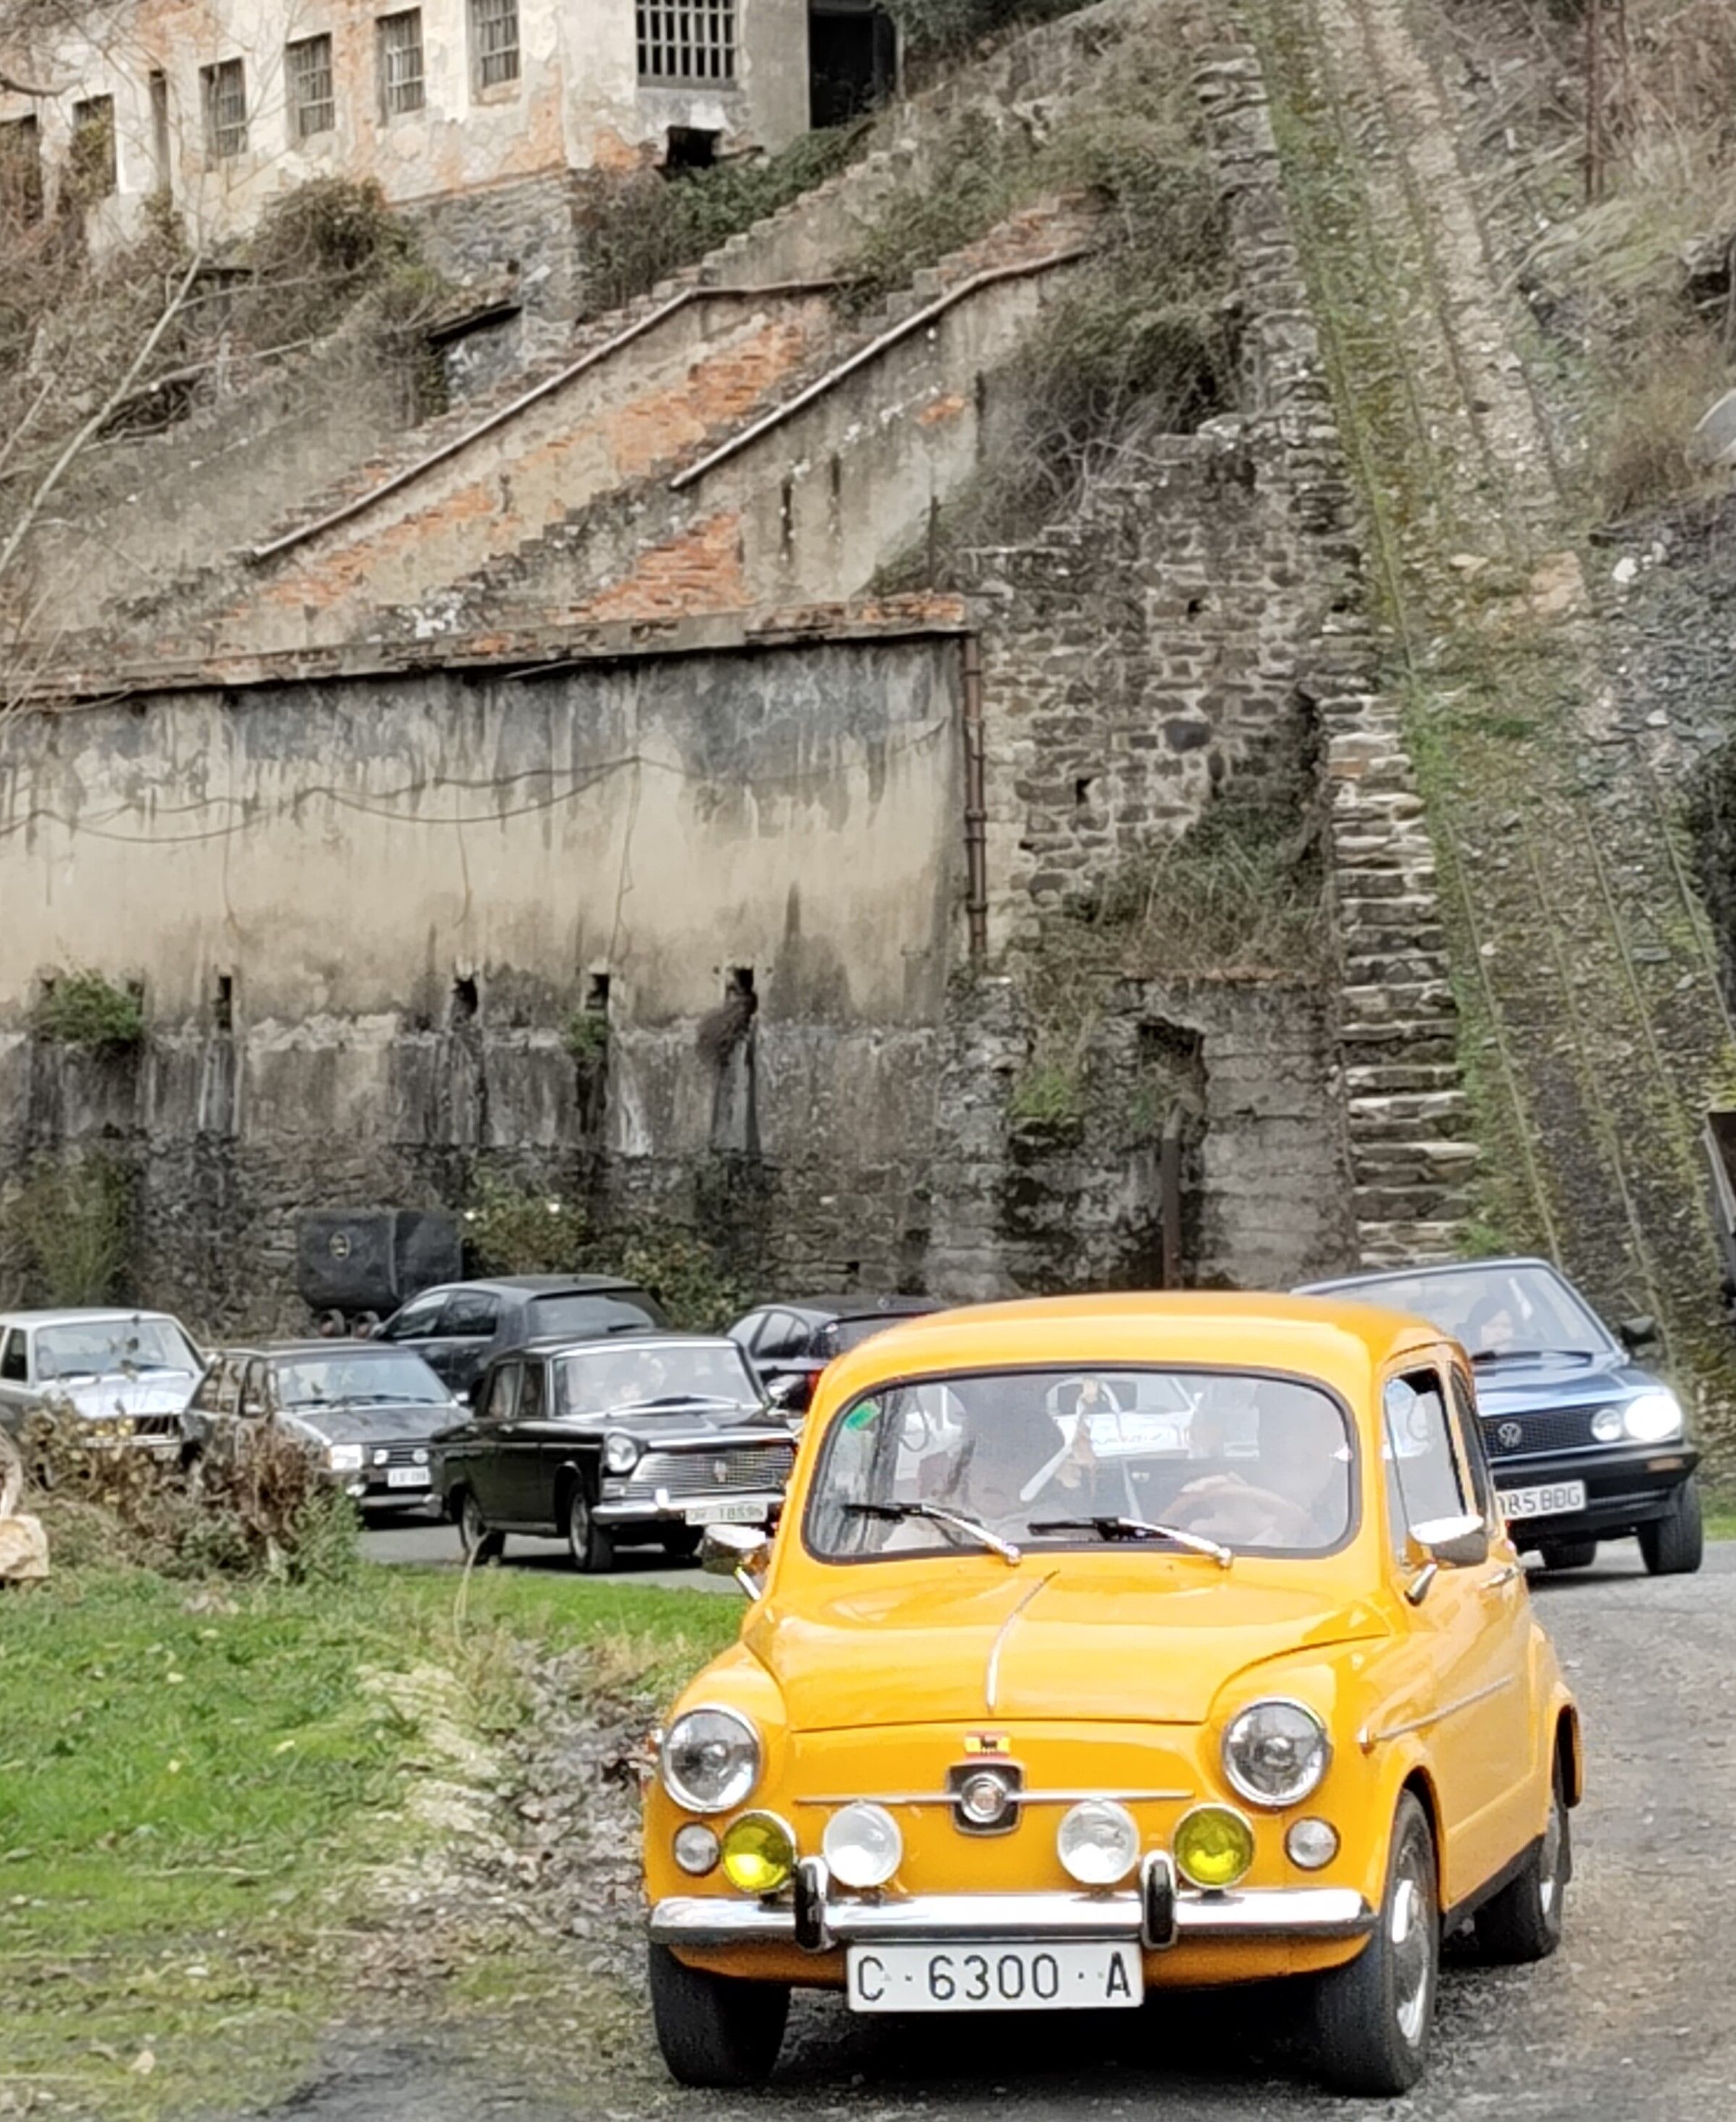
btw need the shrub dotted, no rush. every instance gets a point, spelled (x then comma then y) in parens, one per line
(89, 1011)
(66, 1232)
(1046, 1094)
(519, 1230)
(585, 1035)
(700, 1293)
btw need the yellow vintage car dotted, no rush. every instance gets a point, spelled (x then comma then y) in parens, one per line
(1108, 1644)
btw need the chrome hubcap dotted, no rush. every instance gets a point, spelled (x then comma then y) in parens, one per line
(1549, 1892)
(1410, 1934)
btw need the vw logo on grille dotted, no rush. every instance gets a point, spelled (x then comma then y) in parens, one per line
(1511, 1435)
(720, 1472)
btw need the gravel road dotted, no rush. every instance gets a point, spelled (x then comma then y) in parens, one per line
(1632, 2019)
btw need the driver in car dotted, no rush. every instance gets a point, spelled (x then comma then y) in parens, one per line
(1298, 1494)
(1013, 1457)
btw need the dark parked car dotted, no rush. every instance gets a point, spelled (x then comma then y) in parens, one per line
(647, 1436)
(368, 1413)
(1584, 1444)
(792, 1344)
(460, 1327)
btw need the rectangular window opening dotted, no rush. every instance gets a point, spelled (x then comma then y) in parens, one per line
(224, 88)
(21, 172)
(691, 40)
(493, 42)
(156, 82)
(92, 155)
(398, 47)
(308, 70)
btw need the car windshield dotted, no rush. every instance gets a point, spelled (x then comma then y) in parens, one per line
(97, 1348)
(578, 1314)
(657, 1374)
(344, 1380)
(1494, 1310)
(1242, 1458)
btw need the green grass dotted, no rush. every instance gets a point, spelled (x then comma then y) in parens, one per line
(195, 1790)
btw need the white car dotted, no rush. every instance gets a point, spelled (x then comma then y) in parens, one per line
(134, 1370)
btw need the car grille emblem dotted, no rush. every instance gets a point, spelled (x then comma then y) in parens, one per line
(720, 1472)
(1511, 1435)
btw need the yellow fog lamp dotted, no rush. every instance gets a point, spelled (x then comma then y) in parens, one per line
(759, 1853)
(1214, 1847)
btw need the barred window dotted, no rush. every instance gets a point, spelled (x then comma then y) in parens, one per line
(493, 42)
(308, 66)
(689, 40)
(91, 152)
(224, 90)
(402, 85)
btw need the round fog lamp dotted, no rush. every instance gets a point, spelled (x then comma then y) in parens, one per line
(1311, 1844)
(862, 1845)
(695, 1848)
(984, 1799)
(1214, 1847)
(759, 1853)
(1098, 1841)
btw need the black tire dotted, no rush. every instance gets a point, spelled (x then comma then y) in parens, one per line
(681, 1543)
(1568, 1554)
(1523, 1923)
(480, 1546)
(1673, 1546)
(1373, 2016)
(590, 1545)
(715, 2030)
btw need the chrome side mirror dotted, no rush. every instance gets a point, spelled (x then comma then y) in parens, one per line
(740, 1551)
(1459, 1543)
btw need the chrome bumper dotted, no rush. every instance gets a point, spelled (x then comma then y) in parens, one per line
(661, 1508)
(1156, 1915)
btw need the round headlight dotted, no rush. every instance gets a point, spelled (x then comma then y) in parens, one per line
(1607, 1425)
(1275, 1753)
(1652, 1417)
(621, 1454)
(1098, 1841)
(1311, 1843)
(1214, 1847)
(862, 1845)
(695, 1848)
(759, 1853)
(709, 1760)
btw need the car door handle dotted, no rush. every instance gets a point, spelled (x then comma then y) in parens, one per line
(1502, 1578)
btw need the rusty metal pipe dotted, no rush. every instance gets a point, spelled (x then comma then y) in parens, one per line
(976, 805)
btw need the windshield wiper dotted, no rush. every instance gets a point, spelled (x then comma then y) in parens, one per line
(675, 1399)
(1114, 1528)
(1533, 1355)
(938, 1514)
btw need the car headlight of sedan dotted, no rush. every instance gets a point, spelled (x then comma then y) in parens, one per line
(709, 1760)
(1276, 1752)
(1653, 1418)
(621, 1454)
(344, 1458)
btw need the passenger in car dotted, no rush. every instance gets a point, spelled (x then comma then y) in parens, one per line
(1298, 1495)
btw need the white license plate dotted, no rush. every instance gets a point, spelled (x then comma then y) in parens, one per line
(744, 1514)
(993, 1978)
(407, 1477)
(1546, 1499)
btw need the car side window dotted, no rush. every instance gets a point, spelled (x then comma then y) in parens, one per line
(781, 1334)
(469, 1316)
(1423, 1480)
(14, 1368)
(1470, 1443)
(416, 1320)
(503, 1399)
(531, 1395)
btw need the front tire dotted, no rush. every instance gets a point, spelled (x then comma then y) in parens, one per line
(588, 1543)
(1373, 2016)
(715, 2030)
(1523, 1923)
(1568, 1554)
(1674, 1546)
(480, 1546)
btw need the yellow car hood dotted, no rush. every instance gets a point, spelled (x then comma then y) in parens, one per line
(1132, 1643)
